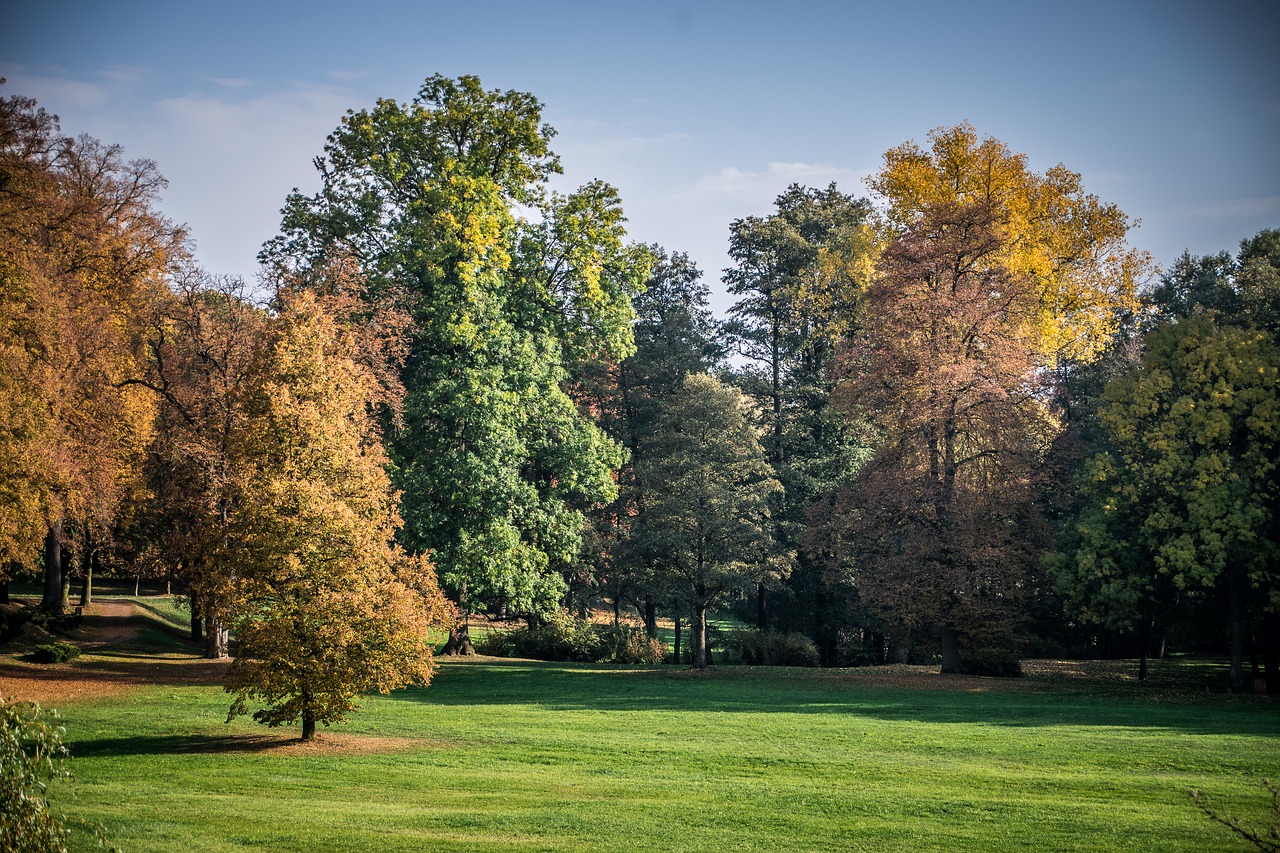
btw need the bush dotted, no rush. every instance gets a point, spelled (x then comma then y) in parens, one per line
(57, 623)
(997, 663)
(32, 755)
(566, 638)
(12, 621)
(58, 652)
(771, 649)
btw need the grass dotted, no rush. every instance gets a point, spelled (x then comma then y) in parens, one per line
(525, 756)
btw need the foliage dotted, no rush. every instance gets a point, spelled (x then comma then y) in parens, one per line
(1268, 840)
(83, 257)
(496, 463)
(941, 526)
(1185, 499)
(58, 652)
(771, 648)
(567, 638)
(1066, 243)
(13, 621)
(326, 606)
(707, 527)
(33, 756)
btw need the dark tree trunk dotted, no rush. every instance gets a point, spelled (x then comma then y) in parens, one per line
(1235, 606)
(676, 650)
(650, 619)
(1144, 639)
(4, 592)
(762, 612)
(950, 655)
(617, 614)
(1271, 652)
(459, 642)
(308, 717)
(197, 624)
(52, 599)
(700, 636)
(878, 648)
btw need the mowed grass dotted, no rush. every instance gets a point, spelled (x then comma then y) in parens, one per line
(516, 755)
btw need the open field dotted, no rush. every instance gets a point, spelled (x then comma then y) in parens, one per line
(518, 755)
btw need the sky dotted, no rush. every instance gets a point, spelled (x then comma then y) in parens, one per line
(698, 112)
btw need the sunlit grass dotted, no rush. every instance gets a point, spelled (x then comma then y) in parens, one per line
(513, 755)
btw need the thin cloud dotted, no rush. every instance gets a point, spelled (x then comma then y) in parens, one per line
(732, 181)
(231, 82)
(1240, 207)
(48, 89)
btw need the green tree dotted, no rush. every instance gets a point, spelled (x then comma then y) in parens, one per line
(496, 463)
(800, 275)
(707, 526)
(32, 756)
(1187, 498)
(326, 606)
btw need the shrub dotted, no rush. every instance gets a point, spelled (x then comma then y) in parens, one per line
(58, 652)
(771, 649)
(32, 755)
(12, 621)
(57, 623)
(566, 638)
(997, 663)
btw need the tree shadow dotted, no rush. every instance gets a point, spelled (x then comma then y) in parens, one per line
(186, 744)
(918, 697)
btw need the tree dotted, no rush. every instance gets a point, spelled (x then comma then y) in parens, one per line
(83, 256)
(327, 607)
(707, 526)
(1188, 496)
(1067, 243)
(942, 517)
(800, 274)
(32, 755)
(496, 463)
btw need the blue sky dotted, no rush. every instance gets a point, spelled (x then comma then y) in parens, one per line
(698, 112)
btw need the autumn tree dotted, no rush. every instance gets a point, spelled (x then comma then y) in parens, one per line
(1066, 243)
(707, 526)
(327, 606)
(83, 256)
(496, 463)
(941, 522)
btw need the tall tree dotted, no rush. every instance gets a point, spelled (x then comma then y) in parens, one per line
(1188, 497)
(327, 606)
(1066, 242)
(496, 463)
(83, 255)
(947, 371)
(707, 526)
(800, 274)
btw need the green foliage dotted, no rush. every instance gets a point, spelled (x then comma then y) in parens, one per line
(771, 648)
(33, 756)
(13, 621)
(569, 638)
(58, 652)
(496, 463)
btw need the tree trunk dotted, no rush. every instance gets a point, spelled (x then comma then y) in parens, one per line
(762, 613)
(52, 599)
(86, 589)
(1144, 638)
(459, 642)
(650, 619)
(616, 611)
(4, 592)
(676, 650)
(1235, 607)
(197, 624)
(308, 717)
(216, 639)
(950, 656)
(902, 647)
(700, 637)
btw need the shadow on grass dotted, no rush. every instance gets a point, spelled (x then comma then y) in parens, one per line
(913, 695)
(191, 744)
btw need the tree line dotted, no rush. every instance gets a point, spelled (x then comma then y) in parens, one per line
(947, 421)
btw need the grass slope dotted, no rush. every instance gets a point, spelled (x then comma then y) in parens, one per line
(524, 756)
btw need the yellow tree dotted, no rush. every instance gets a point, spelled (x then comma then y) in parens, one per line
(83, 256)
(1067, 242)
(328, 607)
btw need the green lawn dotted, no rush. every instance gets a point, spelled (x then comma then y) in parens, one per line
(515, 755)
